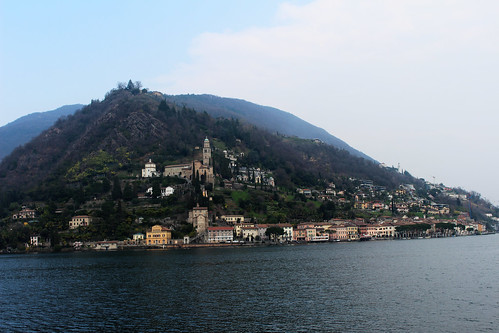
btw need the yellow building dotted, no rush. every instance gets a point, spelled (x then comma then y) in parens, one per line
(158, 235)
(80, 221)
(353, 232)
(232, 219)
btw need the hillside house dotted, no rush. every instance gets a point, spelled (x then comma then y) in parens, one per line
(149, 170)
(25, 214)
(233, 219)
(80, 221)
(167, 191)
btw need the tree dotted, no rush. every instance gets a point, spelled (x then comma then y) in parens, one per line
(274, 232)
(156, 190)
(116, 192)
(106, 185)
(128, 194)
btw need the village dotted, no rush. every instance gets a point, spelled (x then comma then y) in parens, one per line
(416, 217)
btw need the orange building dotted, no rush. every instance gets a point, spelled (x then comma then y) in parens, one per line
(158, 235)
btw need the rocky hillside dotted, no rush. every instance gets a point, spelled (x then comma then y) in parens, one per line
(26, 128)
(272, 119)
(130, 126)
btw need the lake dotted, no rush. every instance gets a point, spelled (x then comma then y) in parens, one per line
(424, 285)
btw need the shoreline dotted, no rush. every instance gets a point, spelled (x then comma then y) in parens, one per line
(166, 247)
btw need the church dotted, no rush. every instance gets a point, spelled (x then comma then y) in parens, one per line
(198, 168)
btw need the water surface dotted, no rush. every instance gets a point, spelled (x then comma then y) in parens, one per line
(429, 285)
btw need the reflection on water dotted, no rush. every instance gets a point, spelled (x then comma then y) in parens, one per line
(439, 285)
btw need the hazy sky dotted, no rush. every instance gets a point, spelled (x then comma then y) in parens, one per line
(409, 82)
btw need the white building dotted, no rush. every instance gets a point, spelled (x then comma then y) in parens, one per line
(220, 234)
(35, 241)
(138, 237)
(167, 191)
(149, 170)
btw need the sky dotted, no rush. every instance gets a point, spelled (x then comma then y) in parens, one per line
(409, 83)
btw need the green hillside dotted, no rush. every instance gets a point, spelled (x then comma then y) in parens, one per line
(90, 163)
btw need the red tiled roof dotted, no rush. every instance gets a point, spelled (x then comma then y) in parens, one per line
(219, 228)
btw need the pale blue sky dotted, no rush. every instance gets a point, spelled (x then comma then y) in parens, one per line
(412, 82)
(62, 52)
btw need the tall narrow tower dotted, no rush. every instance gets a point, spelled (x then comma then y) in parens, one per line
(206, 152)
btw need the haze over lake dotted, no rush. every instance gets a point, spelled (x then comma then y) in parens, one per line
(437, 285)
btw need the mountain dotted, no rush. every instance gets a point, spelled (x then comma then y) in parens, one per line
(121, 132)
(90, 163)
(25, 128)
(272, 119)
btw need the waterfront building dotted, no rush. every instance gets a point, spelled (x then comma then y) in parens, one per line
(288, 232)
(35, 241)
(138, 238)
(238, 228)
(299, 234)
(249, 233)
(158, 235)
(106, 245)
(385, 231)
(353, 232)
(341, 232)
(310, 233)
(220, 234)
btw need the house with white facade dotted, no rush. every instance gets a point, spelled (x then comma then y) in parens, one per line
(167, 191)
(220, 234)
(149, 170)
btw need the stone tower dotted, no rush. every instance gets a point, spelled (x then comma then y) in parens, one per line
(206, 152)
(198, 216)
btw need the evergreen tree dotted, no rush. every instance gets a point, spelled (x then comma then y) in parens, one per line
(128, 194)
(156, 190)
(116, 193)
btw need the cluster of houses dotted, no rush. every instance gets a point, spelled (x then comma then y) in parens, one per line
(247, 174)
(236, 228)
(24, 214)
(335, 230)
(367, 196)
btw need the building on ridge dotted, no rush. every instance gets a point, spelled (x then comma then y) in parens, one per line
(198, 168)
(149, 170)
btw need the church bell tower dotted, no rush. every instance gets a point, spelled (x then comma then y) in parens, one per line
(206, 152)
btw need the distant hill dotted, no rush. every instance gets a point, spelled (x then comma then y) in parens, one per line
(272, 119)
(26, 128)
(124, 130)
(90, 163)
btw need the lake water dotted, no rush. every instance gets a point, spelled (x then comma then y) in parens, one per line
(427, 285)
